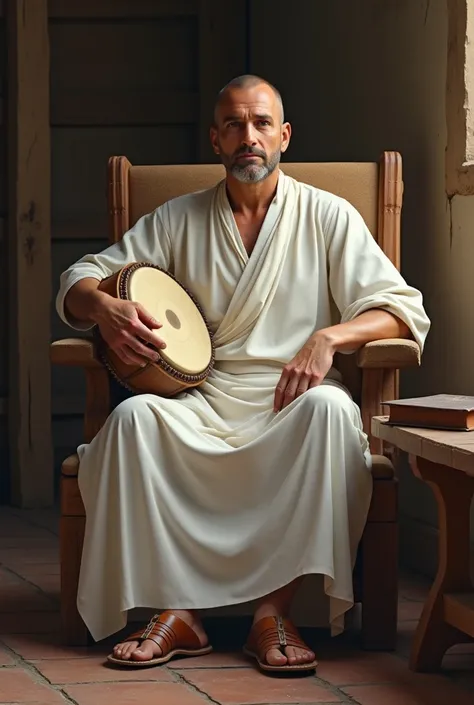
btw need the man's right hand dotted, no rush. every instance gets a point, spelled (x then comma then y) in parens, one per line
(126, 327)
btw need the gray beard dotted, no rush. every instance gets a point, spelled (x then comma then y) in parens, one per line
(253, 173)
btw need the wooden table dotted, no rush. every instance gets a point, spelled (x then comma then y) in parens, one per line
(445, 461)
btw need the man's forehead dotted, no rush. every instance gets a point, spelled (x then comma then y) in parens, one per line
(258, 99)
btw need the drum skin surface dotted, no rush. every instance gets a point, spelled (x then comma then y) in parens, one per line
(189, 354)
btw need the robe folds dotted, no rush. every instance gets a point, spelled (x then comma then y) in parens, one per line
(210, 498)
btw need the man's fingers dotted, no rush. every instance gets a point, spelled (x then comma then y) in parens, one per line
(129, 357)
(315, 382)
(280, 390)
(147, 318)
(150, 353)
(141, 331)
(290, 391)
(278, 399)
(304, 383)
(292, 385)
(286, 390)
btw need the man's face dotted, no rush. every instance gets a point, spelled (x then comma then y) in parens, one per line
(249, 135)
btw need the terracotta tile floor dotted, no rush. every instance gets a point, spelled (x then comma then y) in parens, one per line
(36, 669)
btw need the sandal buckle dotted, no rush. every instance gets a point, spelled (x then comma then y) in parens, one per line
(281, 632)
(150, 626)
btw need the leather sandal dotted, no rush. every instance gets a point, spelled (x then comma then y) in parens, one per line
(173, 636)
(275, 633)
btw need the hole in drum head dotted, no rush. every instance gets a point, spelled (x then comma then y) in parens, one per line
(173, 319)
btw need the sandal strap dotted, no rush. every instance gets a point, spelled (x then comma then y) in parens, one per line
(273, 633)
(167, 631)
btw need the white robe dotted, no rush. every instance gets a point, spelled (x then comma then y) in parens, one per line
(212, 499)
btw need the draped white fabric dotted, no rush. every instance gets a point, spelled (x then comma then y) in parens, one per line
(210, 498)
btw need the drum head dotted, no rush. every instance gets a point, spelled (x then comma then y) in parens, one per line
(188, 343)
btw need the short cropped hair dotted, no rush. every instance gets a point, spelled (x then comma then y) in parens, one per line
(248, 81)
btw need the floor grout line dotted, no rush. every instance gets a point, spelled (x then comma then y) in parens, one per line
(37, 676)
(194, 689)
(53, 600)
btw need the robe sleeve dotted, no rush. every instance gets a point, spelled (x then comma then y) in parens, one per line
(147, 241)
(362, 277)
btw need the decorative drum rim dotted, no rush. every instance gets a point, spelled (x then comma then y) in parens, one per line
(123, 281)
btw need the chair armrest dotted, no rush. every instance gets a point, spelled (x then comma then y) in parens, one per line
(392, 353)
(79, 352)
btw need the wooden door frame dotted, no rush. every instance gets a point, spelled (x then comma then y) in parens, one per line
(29, 259)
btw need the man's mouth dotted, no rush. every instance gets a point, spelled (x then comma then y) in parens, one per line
(249, 155)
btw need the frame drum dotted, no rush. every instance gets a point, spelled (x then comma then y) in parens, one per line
(189, 354)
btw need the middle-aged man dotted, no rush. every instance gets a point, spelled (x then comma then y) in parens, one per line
(234, 491)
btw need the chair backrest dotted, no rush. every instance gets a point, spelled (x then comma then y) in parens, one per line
(375, 189)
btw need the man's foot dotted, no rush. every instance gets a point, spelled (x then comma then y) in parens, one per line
(174, 632)
(287, 655)
(276, 644)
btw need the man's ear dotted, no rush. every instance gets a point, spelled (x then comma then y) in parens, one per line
(285, 136)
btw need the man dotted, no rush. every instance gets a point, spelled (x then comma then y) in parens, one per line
(234, 491)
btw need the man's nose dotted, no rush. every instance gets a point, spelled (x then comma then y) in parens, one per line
(248, 137)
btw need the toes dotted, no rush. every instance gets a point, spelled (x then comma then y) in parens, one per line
(298, 656)
(307, 656)
(123, 651)
(132, 651)
(146, 651)
(292, 656)
(142, 654)
(304, 656)
(128, 650)
(274, 657)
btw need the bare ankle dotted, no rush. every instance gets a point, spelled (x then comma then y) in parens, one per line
(269, 609)
(277, 603)
(192, 619)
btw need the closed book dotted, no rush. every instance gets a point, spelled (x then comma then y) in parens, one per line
(444, 411)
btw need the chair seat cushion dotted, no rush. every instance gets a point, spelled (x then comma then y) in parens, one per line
(382, 468)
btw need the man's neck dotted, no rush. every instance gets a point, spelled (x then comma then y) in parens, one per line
(251, 198)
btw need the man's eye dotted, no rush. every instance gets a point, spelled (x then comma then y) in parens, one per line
(264, 123)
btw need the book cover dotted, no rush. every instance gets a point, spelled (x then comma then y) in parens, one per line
(443, 411)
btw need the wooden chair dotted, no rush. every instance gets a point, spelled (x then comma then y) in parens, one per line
(375, 189)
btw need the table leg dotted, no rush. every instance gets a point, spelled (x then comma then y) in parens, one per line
(453, 490)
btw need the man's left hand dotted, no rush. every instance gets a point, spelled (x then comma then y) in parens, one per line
(306, 370)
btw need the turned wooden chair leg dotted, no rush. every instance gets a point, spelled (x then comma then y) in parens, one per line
(379, 586)
(74, 631)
